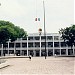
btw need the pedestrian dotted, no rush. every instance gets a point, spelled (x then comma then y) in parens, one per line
(30, 57)
(55, 55)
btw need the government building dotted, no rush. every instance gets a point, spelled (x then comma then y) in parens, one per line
(34, 45)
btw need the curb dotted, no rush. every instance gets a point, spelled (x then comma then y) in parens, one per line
(3, 65)
(8, 57)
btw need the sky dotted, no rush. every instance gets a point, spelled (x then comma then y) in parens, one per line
(58, 14)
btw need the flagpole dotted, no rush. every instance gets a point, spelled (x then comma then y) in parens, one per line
(44, 28)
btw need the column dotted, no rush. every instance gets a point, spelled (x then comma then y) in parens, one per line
(8, 47)
(47, 52)
(60, 45)
(27, 45)
(2, 50)
(67, 49)
(21, 47)
(34, 47)
(73, 49)
(34, 53)
(14, 48)
(53, 45)
(40, 45)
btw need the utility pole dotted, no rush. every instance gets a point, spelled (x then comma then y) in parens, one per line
(44, 28)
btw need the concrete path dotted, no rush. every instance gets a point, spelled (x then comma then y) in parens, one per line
(40, 66)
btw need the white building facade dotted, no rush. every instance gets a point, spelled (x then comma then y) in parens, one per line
(34, 45)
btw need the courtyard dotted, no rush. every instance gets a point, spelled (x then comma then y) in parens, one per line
(40, 66)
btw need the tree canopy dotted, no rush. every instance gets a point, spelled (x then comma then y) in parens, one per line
(9, 31)
(68, 34)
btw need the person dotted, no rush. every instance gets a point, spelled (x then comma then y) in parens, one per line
(55, 55)
(30, 57)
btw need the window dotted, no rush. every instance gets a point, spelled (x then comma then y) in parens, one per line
(56, 37)
(50, 44)
(30, 38)
(11, 45)
(30, 44)
(17, 44)
(5, 45)
(57, 51)
(24, 44)
(43, 44)
(49, 38)
(63, 51)
(42, 37)
(63, 44)
(37, 38)
(11, 51)
(37, 44)
(56, 44)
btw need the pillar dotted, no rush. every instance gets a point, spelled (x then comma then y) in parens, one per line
(14, 48)
(27, 45)
(34, 47)
(73, 49)
(66, 49)
(8, 47)
(60, 45)
(2, 50)
(21, 47)
(53, 45)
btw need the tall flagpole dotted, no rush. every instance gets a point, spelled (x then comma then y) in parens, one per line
(44, 28)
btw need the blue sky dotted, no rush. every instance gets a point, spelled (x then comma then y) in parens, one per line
(59, 14)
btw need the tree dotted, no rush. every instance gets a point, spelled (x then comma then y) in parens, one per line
(68, 34)
(9, 31)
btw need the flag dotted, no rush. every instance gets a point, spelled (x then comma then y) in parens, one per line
(37, 19)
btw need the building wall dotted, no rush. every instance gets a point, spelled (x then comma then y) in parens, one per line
(34, 45)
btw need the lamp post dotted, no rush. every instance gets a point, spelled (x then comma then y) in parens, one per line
(40, 31)
(44, 28)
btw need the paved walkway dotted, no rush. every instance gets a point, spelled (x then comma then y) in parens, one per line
(40, 66)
